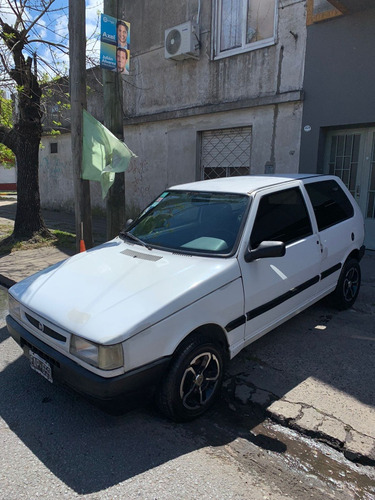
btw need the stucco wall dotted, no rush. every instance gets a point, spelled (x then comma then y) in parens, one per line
(167, 151)
(167, 104)
(55, 169)
(8, 175)
(156, 84)
(56, 177)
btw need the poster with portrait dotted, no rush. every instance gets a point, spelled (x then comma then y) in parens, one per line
(115, 44)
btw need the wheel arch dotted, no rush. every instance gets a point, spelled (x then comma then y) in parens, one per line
(355, 254)
(211, 332)
(347, 288)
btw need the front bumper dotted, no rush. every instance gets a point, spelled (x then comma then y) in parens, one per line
(65, 371)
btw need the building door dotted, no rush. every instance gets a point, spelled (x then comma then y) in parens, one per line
(225, 153)
(350, 155)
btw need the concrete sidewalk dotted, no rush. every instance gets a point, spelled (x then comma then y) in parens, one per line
(20, 264)
(315, 373)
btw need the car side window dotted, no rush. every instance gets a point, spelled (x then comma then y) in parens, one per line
(281, 216)
(330, 203)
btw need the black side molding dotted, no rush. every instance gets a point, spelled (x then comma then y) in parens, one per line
(279, 300)
(235, 323)
(330, 271)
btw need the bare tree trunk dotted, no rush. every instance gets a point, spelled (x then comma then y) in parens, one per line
(25, 136)
(28, 216)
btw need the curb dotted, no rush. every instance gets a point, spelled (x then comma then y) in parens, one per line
(6, 282)
(347, 447)
(306, 420)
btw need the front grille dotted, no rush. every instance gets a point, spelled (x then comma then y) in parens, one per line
(45, 329)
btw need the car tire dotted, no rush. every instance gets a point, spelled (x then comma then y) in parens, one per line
(348, 285)
(193, 381)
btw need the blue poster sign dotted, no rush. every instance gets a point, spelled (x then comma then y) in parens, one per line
(115, 44)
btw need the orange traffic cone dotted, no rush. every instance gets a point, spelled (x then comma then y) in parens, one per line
(82, 246)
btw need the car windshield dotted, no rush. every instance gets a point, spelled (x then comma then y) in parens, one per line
(191, 222)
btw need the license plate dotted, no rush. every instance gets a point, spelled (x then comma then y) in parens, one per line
(41, 366)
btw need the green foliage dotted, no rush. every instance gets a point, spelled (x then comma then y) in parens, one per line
(8, 37)
(6, 111)
(7, 157)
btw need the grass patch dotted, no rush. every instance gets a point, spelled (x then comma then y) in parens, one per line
(5, 230)
(60, 239)
(64, 239)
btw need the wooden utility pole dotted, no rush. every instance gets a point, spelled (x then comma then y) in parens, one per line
(77, 79)
(113, 120)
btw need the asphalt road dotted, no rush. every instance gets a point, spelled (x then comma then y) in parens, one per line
(55, 444)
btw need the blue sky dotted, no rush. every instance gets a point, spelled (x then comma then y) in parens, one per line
(53, 27)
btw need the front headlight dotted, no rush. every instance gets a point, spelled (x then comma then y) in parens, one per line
(14, 307)
(105, 357)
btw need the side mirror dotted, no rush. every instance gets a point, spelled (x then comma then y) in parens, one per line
(265, 250)
(128, 223)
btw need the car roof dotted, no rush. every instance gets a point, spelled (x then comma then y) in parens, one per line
(242, 184)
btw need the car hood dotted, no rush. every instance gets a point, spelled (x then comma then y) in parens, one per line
(114, 291)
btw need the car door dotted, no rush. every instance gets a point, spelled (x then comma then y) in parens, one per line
(276, 288)
(339, 224)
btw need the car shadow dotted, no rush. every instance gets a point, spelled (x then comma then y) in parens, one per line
(335, 348)
(90, 449)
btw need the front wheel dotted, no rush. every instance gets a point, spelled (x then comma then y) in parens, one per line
(193, 382)
(348, 285)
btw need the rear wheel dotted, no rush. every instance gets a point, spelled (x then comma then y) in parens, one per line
(348, 285)
(194, 380)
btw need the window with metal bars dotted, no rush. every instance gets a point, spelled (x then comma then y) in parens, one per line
(344, 157)
(225, 153)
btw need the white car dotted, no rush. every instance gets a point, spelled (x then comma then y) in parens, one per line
(205, 270)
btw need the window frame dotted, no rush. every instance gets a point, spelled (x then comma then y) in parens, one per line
(259, 209)
(150, 211)
(344, 203)
(245, 47)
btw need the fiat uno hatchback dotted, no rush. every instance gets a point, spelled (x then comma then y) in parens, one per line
(206, 269)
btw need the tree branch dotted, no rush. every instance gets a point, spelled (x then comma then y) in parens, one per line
(8, 137)
(35, 21)
(5, 64)
(60, 46)
(18, 12)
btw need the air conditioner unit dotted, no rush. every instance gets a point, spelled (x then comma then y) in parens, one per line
(182, 41)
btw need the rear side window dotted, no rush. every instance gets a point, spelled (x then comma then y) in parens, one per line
(281, 216)
(330, 203)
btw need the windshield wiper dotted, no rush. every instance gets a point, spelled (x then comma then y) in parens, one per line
(127, 234)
